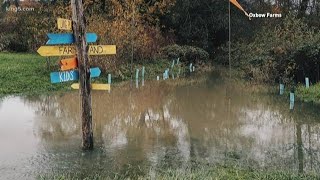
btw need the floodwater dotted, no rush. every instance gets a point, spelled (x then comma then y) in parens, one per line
(138, 131)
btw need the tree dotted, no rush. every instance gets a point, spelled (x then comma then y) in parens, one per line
(303, 8)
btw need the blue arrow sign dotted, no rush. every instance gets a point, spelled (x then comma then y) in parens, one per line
(95, 72)
(67, 38)
(64, 76)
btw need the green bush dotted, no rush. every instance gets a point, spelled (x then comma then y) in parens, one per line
(12, 42)
(188, 54)
(311, 94)
(172, 51)
(288, 53)
(4, 41)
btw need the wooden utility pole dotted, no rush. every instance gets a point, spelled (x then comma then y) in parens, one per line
(79, 32)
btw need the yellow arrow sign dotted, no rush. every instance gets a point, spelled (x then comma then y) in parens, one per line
(93, 86)
(64, 24)
(71, 50)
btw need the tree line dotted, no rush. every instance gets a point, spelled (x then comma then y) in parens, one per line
(145, 27)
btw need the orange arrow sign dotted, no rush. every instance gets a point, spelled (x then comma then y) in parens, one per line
(235, 2)
(68, 64)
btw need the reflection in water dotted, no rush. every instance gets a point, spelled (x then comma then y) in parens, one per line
(300, 147)
(157, 126)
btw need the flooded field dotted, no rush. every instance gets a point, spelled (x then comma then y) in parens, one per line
(159, 125)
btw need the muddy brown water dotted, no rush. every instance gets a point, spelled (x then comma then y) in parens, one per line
(160, 125)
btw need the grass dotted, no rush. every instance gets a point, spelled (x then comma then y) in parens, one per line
(26, 74)
(312, 94)
(206, 172)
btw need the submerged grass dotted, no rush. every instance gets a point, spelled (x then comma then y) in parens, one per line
(303, 94)
(223, 173)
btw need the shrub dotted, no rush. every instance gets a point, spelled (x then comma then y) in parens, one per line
(188, 54)
(4, 41)
(115, 22)
(289, 53)
(172, 51)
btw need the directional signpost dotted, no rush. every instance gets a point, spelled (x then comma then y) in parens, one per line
(77, 68)
(68, 38)
(105, 87)
(71, 50)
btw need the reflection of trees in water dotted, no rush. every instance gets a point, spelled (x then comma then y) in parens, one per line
(296, 141)
(307, 155)
(143, 124)
(123, 124)
(260, 130)
(54, 121)
(278, 134)
(159, 124)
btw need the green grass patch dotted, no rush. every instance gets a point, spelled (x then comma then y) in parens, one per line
(311, 94)
(27, 74)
